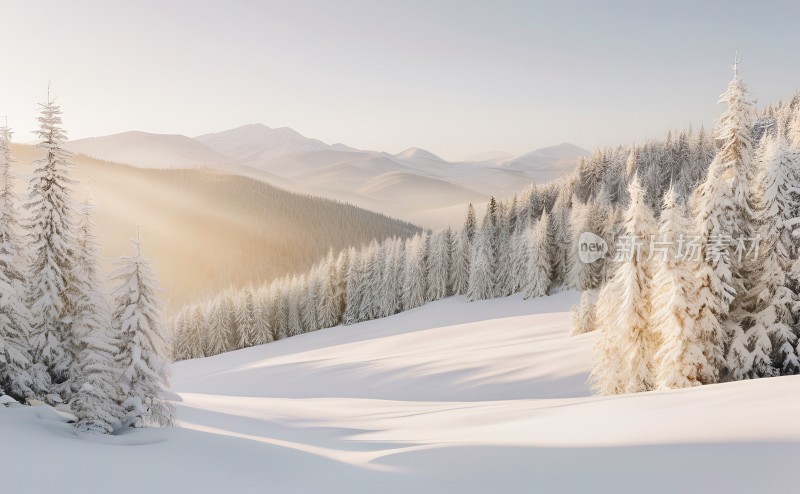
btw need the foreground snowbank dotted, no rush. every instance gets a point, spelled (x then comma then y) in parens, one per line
(480, 397)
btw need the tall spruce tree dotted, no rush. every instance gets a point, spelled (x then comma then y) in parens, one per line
(17, 377)
(95, 394)
(680, 362)
(628, 343)
(139, 327)
(50, 232)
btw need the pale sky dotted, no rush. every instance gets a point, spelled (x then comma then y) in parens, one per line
(455, 77)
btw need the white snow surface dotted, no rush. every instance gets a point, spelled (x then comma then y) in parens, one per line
(489, 396)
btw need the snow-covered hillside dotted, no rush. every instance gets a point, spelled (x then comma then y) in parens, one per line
(452, 397)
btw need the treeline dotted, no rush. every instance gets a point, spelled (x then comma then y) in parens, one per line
(526, 244)
(716, 187)
(712, 292)
(62, 341)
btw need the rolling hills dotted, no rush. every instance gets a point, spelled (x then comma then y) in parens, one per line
(206, 229)
(371, 179)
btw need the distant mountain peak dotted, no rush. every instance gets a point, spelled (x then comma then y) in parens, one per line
(418, 153)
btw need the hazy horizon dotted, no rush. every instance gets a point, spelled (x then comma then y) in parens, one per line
(455, 78)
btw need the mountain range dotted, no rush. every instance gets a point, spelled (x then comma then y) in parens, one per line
(415, 184)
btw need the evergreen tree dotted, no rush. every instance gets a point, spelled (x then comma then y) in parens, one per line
(680, 362)
(538, 266)
(355, 287)
(94, 393)
(766, 347)
(628, 343)
(294, 293)
(220, 326)
(50, 228)
(462, 252)
(560, 241)
(414, 288)
(438, 265)
(481, 274)
(245, 317)
(16, 377)
(264, 311)
(137, 322)
(584, 316)
(329, 308)
(309, 300)
(470, 223)
(580, 274)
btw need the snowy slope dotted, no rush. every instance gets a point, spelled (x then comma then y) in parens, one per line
(451, 397)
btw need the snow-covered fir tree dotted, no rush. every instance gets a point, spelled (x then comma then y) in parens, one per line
(95, 394)
(414, 287)
(438, 268)
(355, 287)
(537, 278)
(17, 377)
(50, 233)
(329, 308)
(584, 315)
(482, 262)
(680, 361)
(245, 319)
(462, 253)
(138, 325)
(625, 361)
(766, 347)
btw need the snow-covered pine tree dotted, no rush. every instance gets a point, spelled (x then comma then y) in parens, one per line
(470, 223)
(504, 276)
(628, 344)
(138, 325)
(50, 232)
(246, 318)
(767, 345)
(536, 240)
(584, 315)
(264, 309)
(723, 213)
(414, 283)
(395, 263)
(17, 377)
(462, 252)
(680, 362)
(220, 325)
(580, 273)
(196, 332)
(354, 291)
(295, 292)
(733, 166)
(328, 306)
(371, 302)
(309, 300)
(519, 256)
(560, 241)
(93, 392)
(482, 262)
(438, 265)
(180, 335)
(283, 293)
